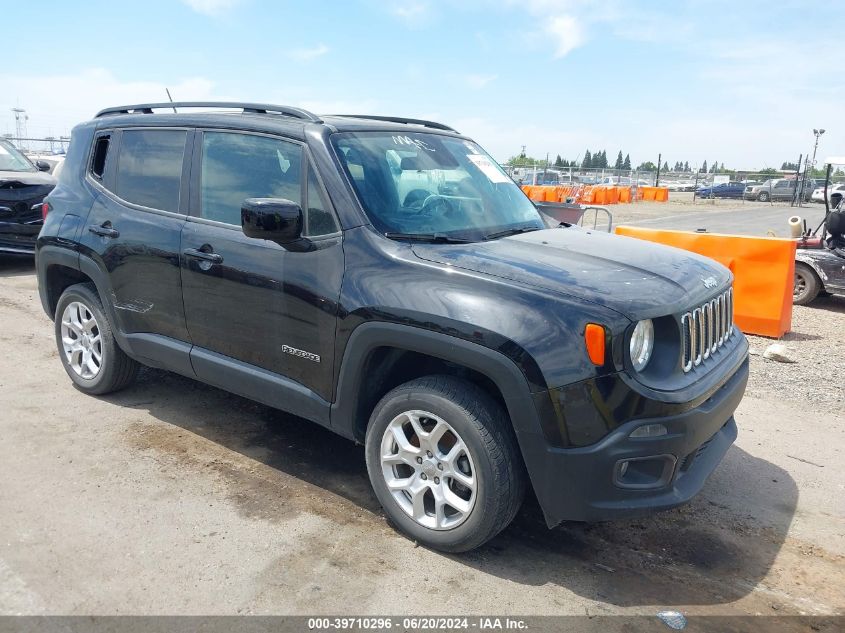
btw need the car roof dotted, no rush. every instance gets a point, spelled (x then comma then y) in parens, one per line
(286, 120)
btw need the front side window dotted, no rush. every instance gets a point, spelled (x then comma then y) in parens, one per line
(149, 171)
(240, 166)
(425, 184)
(11, 159)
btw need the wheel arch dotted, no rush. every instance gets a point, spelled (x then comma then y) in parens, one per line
(59, 268)
(809, 261)
(381, 356)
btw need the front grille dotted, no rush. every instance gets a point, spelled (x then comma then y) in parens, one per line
(706, 328)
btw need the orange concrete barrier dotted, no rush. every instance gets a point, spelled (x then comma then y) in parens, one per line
(624, 194)
(661, 194)
(763, 268)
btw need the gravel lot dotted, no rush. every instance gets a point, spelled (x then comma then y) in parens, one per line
(815, 379)
(176, 498)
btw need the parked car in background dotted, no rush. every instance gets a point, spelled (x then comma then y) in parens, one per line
(680, 185)
(774, 189)
(818, 192)
(52, 160)
(23, 186)
(616, 181)
(722, 190)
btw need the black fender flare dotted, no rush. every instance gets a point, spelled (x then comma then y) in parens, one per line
(49, 255)
(369, 336)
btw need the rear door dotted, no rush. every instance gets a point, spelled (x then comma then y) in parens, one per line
(783, 190)
(134, 226)
(252, 302)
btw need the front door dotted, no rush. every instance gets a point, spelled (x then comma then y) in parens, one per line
(250, 302)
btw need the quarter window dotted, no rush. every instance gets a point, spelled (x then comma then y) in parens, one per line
(98, 162)
(318, 220)
(150, 167)
(240, 166)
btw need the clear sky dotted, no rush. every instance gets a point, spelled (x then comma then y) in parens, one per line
(739, 82)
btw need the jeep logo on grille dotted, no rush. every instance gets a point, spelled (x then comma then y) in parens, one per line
(710, 282)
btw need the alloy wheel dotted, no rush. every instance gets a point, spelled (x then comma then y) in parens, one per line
(428, 470)
(81, 340)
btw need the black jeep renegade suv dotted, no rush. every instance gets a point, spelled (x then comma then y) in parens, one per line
(384, 278)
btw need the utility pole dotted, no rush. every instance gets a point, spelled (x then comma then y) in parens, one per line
(657, 178)
(797, 173)
(21, 118)
(817, 133)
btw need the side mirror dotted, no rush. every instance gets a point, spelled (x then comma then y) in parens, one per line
(272, 219)
(42, 165)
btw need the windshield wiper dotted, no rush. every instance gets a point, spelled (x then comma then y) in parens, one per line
(437, 238)
(514, 230)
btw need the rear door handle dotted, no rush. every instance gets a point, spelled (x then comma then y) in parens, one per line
(104, 230)
(214, 258)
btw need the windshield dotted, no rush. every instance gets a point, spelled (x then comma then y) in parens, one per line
(12, 160)
(420, 184)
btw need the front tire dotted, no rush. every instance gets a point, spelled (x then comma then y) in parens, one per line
(443, 462)
(807, 285)
(87, 348)
(763, 196)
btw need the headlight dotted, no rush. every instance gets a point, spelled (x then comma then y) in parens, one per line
(642, 344)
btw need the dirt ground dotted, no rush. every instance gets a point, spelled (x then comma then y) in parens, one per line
(172, 497)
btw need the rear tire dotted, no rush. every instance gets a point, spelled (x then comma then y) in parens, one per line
(87, 348)
(807, 284)
(444, 463)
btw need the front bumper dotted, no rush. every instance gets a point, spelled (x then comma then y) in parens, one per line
(18, 237)
(583, 483)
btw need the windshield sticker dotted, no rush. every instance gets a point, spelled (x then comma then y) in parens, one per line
(487, 168)
(414, 142)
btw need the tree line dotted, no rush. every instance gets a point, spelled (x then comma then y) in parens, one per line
(598, 160)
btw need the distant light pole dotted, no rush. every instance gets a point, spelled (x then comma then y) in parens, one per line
(817, 133)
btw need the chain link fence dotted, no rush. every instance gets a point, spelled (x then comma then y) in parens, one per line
(46, 145)
(769, 186)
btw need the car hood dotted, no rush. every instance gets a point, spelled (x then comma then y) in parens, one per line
(636, 278)
(26, 178)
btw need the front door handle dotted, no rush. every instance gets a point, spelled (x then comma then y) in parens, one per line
(104, 230)
(213, 258)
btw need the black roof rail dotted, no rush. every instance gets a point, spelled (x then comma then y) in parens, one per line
(399, 119)
(248, 108)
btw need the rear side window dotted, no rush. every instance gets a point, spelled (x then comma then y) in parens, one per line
(240, 166)
(149, 170)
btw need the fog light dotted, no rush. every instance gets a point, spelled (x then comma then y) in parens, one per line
(650, 430)
(644, 472)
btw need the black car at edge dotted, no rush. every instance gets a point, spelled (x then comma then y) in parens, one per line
(384, 278)
(23, 187)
